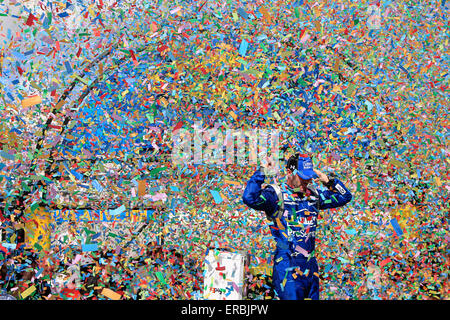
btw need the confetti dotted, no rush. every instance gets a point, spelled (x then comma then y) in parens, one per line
(91, 98)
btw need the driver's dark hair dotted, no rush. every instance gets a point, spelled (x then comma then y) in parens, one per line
(292, 162)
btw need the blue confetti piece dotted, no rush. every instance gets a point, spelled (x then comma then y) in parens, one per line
(15, 130)
(89, 247)
(95, 236)
(97, 186)
(68, 67)
(396, 226)
(7, 245)
(77, 175)
(261, 37)
(217, 198)
(46, 23)
(263, 83)
(243, 48)
(18, 55)
(241, 12)
(7, 156)
(117, 211)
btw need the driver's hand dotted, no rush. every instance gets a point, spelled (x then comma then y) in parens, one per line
(322, 176)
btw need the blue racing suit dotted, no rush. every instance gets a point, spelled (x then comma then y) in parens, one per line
(293, 223)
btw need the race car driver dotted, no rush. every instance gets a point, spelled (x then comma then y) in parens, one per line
(292, 209)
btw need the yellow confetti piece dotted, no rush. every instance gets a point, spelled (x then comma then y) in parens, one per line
(398, 163)
(86, 82)
(237, 183)
(279, 225)
(141, 188)
(438, 181)
(27, 292)
(111, 294)
(276, 115)
(316, 109)
(31, 101)
(319, 91)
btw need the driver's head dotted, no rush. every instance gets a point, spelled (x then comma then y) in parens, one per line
(299, 170)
